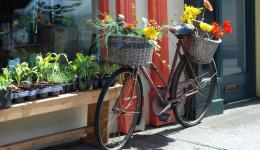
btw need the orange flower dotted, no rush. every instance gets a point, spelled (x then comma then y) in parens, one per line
(107, 18)
(129, 26)
(154, 24)
(208, 5)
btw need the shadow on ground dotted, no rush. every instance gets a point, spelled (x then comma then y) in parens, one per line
(242, 103)
(140, 141)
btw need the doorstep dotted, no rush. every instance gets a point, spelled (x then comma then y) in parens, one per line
(216, 108)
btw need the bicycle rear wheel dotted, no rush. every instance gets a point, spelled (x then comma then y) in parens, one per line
(195, 93)
(124, 108)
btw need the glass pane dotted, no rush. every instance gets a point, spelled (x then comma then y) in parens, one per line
(234, 45)
(41, 26)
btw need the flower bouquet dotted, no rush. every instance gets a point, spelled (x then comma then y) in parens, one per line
(127, 44)
(202, 44)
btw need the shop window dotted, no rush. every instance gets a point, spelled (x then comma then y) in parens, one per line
(41, 26)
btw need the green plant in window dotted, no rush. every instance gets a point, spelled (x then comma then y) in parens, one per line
(6, 73)
(21, 74)
(48, 67)
(55, 67)
(5, 84)
(85, 67)
(108, 69)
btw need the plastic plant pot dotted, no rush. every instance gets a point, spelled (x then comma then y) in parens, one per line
(73, 87)
(43, 92)
(89, 84)
(5, 99)
(68, 87)
(20, 96)
(55, 90)
(82, 85)
(63, 86)
(32, 95)
(95, 83)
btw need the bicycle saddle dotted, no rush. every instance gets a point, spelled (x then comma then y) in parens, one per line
(182, 29)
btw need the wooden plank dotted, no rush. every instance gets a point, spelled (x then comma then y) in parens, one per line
(63, 102)
(34, 143)
(91, 138)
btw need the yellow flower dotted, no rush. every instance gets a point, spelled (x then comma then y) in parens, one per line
(92, 57)
(150, 33)
(206, 27)
(190, 13)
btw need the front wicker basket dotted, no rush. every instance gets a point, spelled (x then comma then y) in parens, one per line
(129, 50)
(200, 50)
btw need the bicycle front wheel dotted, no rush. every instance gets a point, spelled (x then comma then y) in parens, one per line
(118, 109)
(193, 85)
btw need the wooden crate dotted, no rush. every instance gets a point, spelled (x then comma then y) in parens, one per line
(51, 105)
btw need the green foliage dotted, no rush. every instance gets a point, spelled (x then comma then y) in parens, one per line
(21, 73)
(85, 67)
(6, 73)
(109, 69)
(4, 84)
(53, 69)
(48, 67)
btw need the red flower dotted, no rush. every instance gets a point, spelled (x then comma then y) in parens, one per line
(227, 27)
(217, 32)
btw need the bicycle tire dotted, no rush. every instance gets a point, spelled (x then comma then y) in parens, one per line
(136, 116)
(182, 115)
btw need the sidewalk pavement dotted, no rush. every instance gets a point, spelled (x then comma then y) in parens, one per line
(237, 129)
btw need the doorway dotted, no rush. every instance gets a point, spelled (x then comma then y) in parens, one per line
(237, 52)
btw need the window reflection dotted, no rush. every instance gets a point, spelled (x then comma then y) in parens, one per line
(45, 26)
(234, 45)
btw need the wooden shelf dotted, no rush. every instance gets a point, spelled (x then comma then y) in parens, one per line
(62, 102)
(32, 144)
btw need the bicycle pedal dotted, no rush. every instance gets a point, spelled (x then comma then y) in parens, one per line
(164, 117)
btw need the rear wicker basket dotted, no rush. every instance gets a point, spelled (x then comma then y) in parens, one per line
(200, 50)
(129, 50)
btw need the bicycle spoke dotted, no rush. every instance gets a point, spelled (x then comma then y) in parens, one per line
(193, 91)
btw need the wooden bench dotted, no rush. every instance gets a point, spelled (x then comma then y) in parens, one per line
(54, 104)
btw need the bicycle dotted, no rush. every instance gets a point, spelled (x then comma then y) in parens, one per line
(188, 93)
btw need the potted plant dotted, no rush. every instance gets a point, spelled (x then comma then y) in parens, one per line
(20, 75)
(68, 77)
(85, 68)
(47, 69)
(105, 73)
(5, 93)
(41, 67)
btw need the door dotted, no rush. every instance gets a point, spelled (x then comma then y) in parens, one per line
(237, 59)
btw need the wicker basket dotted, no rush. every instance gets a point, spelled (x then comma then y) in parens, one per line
(129, 50)
(200, 50)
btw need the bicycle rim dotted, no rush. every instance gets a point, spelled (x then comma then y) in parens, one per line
(194, 92)
(116, 119)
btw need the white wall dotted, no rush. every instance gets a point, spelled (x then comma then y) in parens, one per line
(175, 10)
(142, 11)
(112, 8)
(23, 129)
